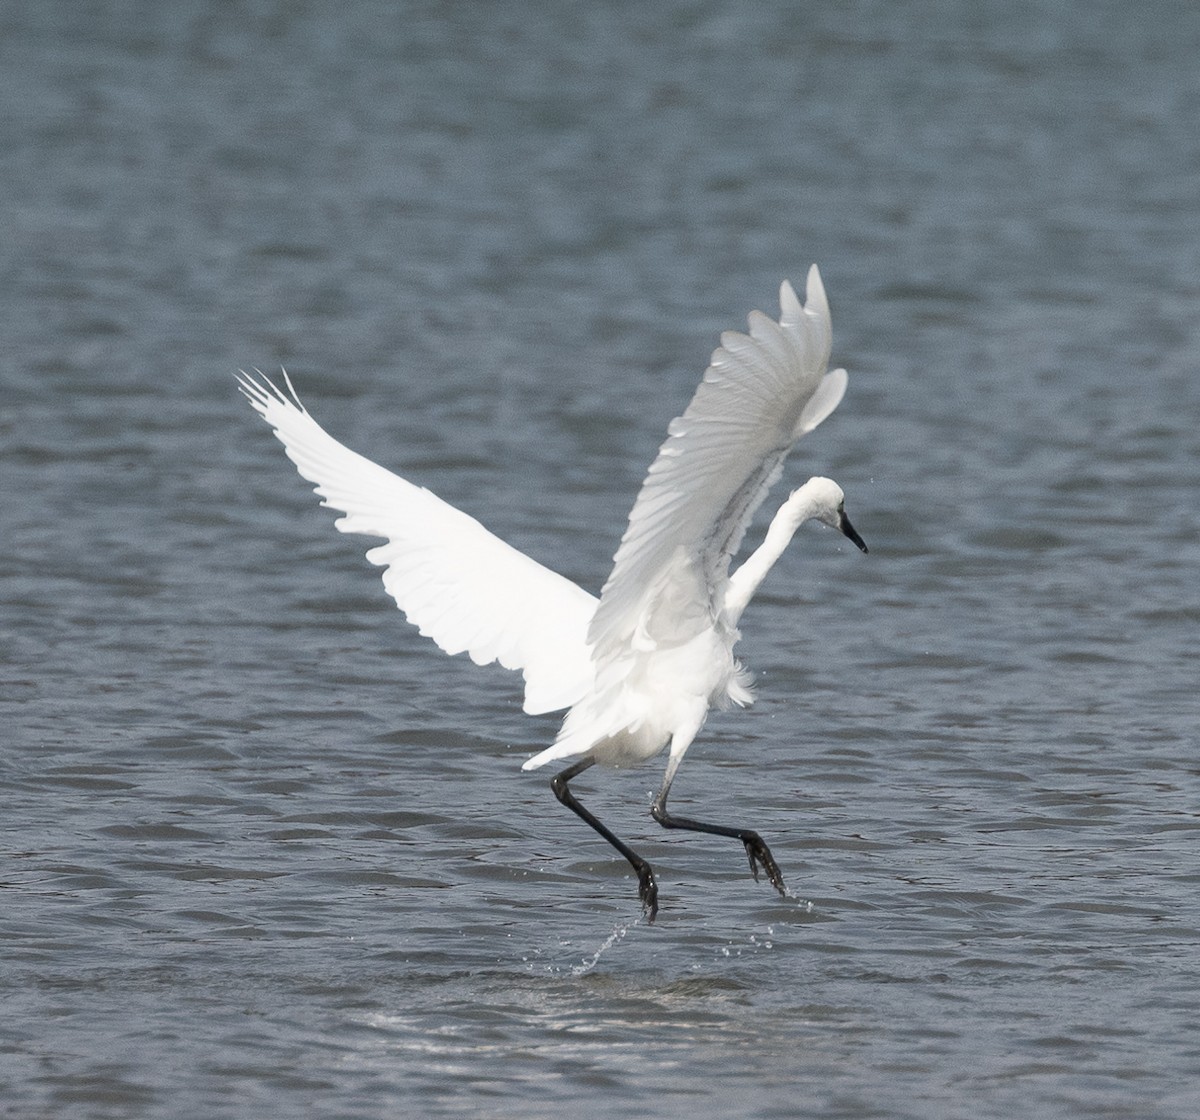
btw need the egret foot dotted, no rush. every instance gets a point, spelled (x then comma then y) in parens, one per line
(759, 853)
(648, 892)
(756, 849)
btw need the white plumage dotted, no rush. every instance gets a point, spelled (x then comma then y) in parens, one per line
(640, 667)
(457, 583)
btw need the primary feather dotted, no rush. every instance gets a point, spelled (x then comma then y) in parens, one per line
(456, 582)
(721, 457)
(661, 650)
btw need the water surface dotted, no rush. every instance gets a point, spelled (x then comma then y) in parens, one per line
(269, 853)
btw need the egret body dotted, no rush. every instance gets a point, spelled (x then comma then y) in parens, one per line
(639, 668)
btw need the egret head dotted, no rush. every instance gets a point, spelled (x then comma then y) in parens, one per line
(823, 500)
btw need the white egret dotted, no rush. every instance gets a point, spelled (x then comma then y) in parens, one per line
(640, 667)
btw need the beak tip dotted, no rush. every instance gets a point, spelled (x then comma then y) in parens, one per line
(848, 530)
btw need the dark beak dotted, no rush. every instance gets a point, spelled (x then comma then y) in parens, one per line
(848, 529)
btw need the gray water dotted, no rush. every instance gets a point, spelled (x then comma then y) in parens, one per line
(268, 853)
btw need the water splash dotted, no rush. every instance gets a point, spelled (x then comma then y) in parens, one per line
(754, 943)
(588, 963)
(806, 905)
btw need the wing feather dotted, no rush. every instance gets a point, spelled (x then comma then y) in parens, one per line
(761, 392)
(456, 582)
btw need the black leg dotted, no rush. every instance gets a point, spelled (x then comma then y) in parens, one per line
(647, 887)
(756, 848)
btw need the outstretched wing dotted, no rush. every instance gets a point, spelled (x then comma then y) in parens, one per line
(457, 583)
(761, 392)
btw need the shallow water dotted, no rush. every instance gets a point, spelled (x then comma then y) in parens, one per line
(268, 853)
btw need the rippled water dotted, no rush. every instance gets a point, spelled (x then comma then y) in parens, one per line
(268, 853)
